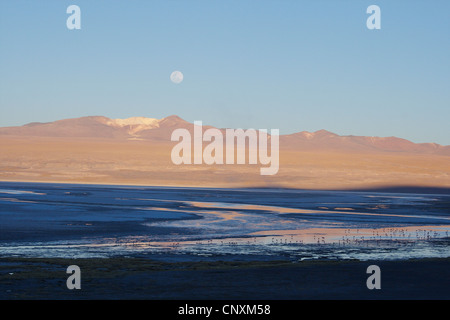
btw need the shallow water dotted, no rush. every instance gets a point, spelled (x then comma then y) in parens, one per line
(60, 220)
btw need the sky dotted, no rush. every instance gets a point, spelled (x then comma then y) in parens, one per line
(290, 65)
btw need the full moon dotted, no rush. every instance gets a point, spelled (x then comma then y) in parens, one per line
(176, 77)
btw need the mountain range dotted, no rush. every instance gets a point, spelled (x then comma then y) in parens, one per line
(142, 128)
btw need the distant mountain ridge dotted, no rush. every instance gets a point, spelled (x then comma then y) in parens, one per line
(97, 127)
(142, 128)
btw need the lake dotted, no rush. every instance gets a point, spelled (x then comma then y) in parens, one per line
(176, 224)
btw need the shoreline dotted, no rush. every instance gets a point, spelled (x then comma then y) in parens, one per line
(402, 189)
(137, 278)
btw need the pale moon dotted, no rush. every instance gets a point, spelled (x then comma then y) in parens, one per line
(176, 77)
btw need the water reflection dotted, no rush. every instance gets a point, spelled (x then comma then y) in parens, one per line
(85, 221)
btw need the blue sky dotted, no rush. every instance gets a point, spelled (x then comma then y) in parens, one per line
(276, 64)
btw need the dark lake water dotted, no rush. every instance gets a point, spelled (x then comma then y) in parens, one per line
(63, 220)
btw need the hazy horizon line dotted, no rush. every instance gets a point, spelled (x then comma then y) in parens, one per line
(218, 127)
